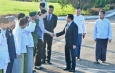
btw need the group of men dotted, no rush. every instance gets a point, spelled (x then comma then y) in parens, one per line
(19, 41)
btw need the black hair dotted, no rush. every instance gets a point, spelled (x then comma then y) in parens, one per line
(42, 4)
(27, 17)
(23, 21)
(70, 16)
(21, 15)
(102, 11)
(4, 20)
(78, 8)
(43, 11)
(51, 6)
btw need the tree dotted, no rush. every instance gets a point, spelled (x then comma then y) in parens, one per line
(101, 3)
(84, 4)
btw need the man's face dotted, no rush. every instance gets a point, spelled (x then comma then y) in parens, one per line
(4, 26)
(41, 8)
(78, 11)
(12, 24)
(44, 15)
(68, 19)
(101, 15)
(34, 17)
(50, 10)
(23, 26)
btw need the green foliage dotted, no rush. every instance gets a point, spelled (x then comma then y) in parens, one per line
(107, 7)
(53, 1)
(84, 4)
(101, 3)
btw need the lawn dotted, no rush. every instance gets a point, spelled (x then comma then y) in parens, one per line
(15, 7)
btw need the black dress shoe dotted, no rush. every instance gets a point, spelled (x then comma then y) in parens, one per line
(103, 61)
(71, 70)
(96, 62)
(38, 68)
(66, 69)
(49, 62)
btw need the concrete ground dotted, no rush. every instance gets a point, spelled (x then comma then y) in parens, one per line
(86, 64)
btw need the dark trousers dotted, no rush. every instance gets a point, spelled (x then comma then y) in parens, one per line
(78, 48)
(101, 49)
(10, 65)
(47, 40)
(39, 52)
(70, 57)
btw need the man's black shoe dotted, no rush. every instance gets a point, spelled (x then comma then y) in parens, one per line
(38, 68)
(66, 69)
(96, 62)
(71, 70)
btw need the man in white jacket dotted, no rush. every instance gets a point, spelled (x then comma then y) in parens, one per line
(79, 20)
(29, 42)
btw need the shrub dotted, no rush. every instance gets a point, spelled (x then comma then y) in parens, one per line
(53, 1)
(107, 7)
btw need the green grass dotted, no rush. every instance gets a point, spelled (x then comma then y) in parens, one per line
(15, 7)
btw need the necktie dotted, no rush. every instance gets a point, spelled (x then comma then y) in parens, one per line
(49, 18)
(67, 27)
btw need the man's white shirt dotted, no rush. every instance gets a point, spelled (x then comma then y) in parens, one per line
(4, 54)
(28, 36)
(19, 40)
(80, 21)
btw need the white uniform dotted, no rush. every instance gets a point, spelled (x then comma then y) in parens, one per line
(28, 36)
(4, 55)
(79, 20)
(19, 40)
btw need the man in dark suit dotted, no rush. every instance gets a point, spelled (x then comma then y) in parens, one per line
(50, 23)
(71, 33)
(11, 43)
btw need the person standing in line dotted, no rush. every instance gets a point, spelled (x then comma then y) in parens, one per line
(4, 54)
(20, 45)
(30, 43)
(41, 6)
(40, 33)
(15, 68)
(80, 21)
(102, 34)
(50, 23)
(44, 1)
(11, 43)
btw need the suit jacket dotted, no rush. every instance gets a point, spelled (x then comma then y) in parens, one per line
(70, 35)
(49, 26)
(11, 44)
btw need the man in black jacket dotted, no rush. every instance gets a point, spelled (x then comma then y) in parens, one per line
(50, 23)
(71, 33)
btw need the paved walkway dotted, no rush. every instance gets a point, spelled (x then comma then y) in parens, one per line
(87, 54)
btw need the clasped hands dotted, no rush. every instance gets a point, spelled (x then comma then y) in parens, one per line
(53, 35)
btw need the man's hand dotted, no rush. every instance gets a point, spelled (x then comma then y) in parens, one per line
(110, 41)
(52, 34)
(84, 35)
(19, 56)
(74, 46)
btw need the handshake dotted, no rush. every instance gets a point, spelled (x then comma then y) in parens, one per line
(52, 34)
